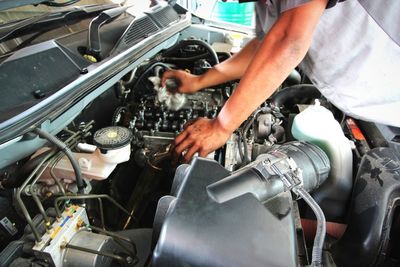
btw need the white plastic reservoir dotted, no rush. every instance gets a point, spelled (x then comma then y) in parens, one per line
(317, 125)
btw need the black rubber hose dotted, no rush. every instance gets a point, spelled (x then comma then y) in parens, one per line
(118, 113)
(246, 128)
(282, 96)
(64, 148)
(278, 131)
(184, 59)
(20, 176)
(147, 70)
(246, 158)
(240, 148)
(187, 42)
(372, 134)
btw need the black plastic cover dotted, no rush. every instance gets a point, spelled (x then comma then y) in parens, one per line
(35, 73)
(148, 24)
(240, 232)
(376, 194)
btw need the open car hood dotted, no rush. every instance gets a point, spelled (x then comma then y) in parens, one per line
(7, 4)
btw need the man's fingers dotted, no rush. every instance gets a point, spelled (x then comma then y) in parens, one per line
(188, 123)
(203, 153)
(168, 74)
(182, 136)
(189, 154)
(201, 136)
(183, 146)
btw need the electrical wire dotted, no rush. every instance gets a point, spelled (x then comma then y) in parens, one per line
(321, 226)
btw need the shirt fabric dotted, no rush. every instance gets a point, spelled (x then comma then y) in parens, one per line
(354, 57)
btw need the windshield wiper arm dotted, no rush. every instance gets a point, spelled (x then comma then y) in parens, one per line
(59, 4)
(6, 31)
(11, 28)
(8, 4)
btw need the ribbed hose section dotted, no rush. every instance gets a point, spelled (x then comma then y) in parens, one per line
(321, 226)
(63, 147)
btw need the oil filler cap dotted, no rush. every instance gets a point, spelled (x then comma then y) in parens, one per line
(113, 137)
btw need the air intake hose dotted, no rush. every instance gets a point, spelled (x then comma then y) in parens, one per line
(303, 162)
(299, 167)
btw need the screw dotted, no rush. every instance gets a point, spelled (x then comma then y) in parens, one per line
(129, 260)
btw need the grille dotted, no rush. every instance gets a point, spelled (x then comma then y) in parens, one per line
(139, 30)
(165, 16)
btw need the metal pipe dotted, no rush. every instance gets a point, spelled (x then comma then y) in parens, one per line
(39, 174)
(64, 148)
(71, 140)
(103, 224)
(57, 158)
(40, 207)
(54, 176)
(81, 197)
(21, 203)
(131, 77)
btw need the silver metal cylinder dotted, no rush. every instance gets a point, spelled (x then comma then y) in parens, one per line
(98, 242)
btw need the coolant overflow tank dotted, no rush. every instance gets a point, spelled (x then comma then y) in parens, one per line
(317, 125)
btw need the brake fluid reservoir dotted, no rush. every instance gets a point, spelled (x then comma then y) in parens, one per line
(317, 125)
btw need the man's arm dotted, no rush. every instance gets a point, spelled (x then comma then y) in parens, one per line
(231, 69)
(281, 51)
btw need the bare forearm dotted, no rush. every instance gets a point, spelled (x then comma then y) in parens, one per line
(231, 69)
(258, 84)
(280, 52)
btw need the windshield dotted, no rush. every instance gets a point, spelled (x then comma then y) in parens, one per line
(31, 11)
(229, 11)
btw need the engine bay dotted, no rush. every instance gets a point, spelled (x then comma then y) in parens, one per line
(103, 191)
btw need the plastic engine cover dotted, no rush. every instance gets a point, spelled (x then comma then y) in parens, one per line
(198, 231)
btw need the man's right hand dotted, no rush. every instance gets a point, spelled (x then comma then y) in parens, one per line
(189, 83)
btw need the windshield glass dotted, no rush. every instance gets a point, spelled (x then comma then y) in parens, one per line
(31, 11)
(229, 11)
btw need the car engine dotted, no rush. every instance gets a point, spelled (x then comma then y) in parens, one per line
(103, 191)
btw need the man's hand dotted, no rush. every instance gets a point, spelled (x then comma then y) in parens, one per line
(188, 82)
(262, 67)
(203, 136)
(228, 70)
